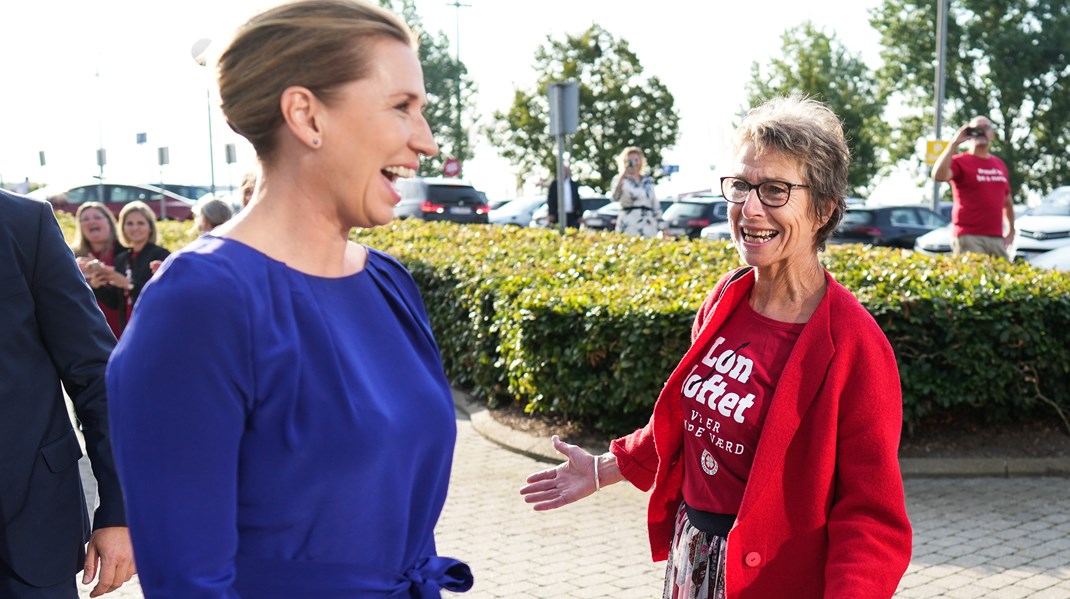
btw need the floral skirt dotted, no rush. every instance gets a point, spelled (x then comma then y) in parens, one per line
(696, 562)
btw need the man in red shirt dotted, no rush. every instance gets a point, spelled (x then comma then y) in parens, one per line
(981, 188)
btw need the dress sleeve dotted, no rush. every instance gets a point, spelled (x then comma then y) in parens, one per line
(179, 383)
(868, 530)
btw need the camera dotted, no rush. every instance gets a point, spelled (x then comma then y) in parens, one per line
(974, 131)
(633, 162)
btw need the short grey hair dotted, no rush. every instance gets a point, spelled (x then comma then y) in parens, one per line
(213, 210)
(806, 130)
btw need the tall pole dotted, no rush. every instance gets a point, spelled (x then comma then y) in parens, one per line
(458, 131)
(199, 52)
(941, 54)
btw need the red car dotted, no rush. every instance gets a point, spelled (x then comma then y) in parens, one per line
(116, 195)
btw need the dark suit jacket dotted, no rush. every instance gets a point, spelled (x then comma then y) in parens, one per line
(51, 331)
(572, 217)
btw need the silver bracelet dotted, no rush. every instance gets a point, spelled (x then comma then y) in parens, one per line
(597, 486)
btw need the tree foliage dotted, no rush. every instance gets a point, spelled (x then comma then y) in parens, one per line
(818, 65)
(442, 73)
(618, 107)
(1006, 59)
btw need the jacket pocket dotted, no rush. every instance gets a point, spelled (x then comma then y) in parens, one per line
(62, 453)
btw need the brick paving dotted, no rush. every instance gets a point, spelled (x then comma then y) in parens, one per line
(975, 538)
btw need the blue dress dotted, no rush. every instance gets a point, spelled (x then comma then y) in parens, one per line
(281, 435)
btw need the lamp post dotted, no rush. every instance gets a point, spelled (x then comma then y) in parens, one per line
(199, 51)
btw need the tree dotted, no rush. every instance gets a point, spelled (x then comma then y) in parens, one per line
(818, 65)
(442, 73)
(1006, 59)
(619, 107)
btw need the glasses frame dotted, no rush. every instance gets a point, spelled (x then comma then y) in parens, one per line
(756, 188)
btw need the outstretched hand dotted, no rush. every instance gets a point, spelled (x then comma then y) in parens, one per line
(563, 484)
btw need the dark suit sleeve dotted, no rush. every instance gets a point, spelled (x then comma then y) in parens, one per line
(78, 340)
(551, 199)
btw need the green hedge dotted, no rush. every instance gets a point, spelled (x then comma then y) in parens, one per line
(589, 326)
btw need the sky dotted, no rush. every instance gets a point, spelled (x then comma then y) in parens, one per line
(82, 75)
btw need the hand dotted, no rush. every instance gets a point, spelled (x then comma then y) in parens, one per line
(563, 484)
(154, 265)
(1008, 239)
(962, 134)
(111, 546)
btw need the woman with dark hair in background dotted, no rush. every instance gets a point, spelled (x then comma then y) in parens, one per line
(96, 244)
(304, 451)
(772, 449)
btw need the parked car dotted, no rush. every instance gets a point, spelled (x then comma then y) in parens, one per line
(117, 195)
(1057, 259)
(687, 217)
(892, 226)
(516, 212)
(1044, 227)
(540, 216)
(938, 241)
(440, 199)
(721, 231)
(605, 218)
(193, 192)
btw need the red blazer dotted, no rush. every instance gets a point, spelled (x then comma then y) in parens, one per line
(823, 514)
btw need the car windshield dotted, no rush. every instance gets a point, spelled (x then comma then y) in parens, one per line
(857, 217)
(684, 210)
(1054, 205)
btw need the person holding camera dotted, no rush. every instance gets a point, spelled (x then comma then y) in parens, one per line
(982, 217)
(640, 212)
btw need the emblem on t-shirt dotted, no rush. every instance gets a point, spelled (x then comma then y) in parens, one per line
(709, 465)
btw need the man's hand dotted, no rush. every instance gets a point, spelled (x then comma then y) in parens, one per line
(111, 547)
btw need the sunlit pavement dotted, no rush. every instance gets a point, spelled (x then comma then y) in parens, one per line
(973, 538)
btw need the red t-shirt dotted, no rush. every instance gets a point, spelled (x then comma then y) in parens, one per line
(979, 187)
(725, 399)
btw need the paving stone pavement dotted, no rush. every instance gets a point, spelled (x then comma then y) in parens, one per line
(975, 538)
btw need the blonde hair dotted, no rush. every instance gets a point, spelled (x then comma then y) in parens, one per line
(622, 158)
(143, 209)
(81, 246)
(317, 44)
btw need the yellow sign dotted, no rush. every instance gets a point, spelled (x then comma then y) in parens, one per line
(933, 148)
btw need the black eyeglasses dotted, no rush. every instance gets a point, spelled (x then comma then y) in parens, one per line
(771, 193)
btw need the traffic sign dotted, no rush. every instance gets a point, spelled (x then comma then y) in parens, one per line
(933, 148)
(451, 167)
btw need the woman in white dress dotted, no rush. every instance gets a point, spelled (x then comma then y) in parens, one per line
(640, 212)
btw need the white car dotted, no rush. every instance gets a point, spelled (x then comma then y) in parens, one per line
(1045, 227)
(516, 212)
(1058, 259)
(717, 232)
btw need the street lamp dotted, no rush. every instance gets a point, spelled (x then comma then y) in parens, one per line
(199, 52)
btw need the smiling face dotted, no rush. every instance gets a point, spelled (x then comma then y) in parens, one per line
(374, 133)
(96, 227)
(780, 237)
(136, 229)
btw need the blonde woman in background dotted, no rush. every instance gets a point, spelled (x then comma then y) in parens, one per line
(135, 265)
(640, 212)
(96, 245)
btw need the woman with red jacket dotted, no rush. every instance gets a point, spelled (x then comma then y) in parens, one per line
(772, 449)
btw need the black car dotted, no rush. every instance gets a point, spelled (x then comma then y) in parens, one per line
(605, 218)
(892, 226)
(687, 217)
(441, 199)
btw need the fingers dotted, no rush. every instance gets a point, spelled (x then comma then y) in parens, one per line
(542, 475)
(89, 571)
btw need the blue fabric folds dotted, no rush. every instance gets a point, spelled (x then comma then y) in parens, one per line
(272, 578)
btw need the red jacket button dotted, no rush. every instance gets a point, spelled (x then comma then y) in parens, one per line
(753, 559)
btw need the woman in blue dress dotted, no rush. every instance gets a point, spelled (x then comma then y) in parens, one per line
(282, 423)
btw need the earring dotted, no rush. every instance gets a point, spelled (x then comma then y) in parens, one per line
(315, 141)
